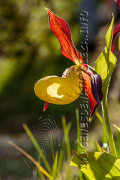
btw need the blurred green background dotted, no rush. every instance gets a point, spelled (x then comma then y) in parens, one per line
(28, 52)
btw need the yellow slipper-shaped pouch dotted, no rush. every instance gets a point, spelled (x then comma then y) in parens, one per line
(59, 90)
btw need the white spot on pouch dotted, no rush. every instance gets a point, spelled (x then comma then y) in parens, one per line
(52, 90)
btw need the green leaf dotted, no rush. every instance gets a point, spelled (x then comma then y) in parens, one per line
(104, 66)
(37, 147)
(54, 174)
(105, 63)
(109, 35)
(99, 166)
(116, 127)
(104, 137)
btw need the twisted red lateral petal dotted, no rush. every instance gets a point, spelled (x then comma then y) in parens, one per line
(62, 31)
(93, 88)
(45, 106)
(116, 30)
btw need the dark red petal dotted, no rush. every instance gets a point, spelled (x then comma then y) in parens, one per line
(116, 30)
(118, 3)
(45, 106)
(96, 82)
(92, 85)
(62, 31)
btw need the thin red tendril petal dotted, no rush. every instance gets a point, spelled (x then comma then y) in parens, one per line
(62, 31)
(116, 30)
(45, 106)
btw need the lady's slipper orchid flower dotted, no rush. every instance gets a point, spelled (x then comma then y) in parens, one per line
(66, 89)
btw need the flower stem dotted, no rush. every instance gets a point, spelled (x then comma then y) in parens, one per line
(108, 128)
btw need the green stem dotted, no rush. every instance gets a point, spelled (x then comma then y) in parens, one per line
(108, 128)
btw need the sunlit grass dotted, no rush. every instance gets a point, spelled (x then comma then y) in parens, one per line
(61, 167)
(60, 159)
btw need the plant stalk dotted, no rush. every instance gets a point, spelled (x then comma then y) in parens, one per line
(108, 128)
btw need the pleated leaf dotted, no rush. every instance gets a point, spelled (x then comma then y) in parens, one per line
(99, 166)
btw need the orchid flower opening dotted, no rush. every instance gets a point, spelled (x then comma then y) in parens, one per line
(68, 88)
